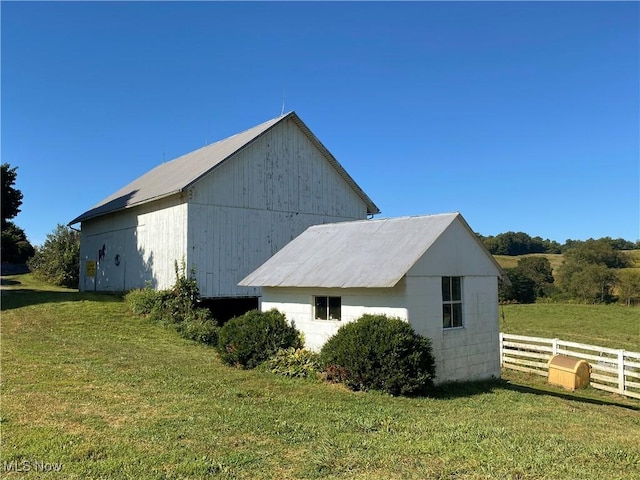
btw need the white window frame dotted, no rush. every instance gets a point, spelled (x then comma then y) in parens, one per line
(451, 303)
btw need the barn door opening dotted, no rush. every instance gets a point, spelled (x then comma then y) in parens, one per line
(224, 309)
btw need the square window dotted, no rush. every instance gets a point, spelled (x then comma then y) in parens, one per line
(327, 308)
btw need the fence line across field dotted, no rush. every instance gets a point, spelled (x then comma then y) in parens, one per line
(612, 370)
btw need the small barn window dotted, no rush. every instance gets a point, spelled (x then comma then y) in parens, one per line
(451, 302)
(327, 308)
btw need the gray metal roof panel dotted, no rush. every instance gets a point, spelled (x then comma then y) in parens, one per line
(366, 253)
(179, 174)
(176, 175)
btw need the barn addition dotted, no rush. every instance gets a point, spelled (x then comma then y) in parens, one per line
(431, 271)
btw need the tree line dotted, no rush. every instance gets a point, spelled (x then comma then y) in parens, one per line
(520, 243)
(592, 271)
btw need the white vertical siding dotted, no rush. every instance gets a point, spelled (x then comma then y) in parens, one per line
(147, 241)
(227, 224)
(252, 205)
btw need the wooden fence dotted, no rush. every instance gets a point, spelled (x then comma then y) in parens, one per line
(612, 370)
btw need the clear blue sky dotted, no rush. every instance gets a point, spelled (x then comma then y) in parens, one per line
(522, 116)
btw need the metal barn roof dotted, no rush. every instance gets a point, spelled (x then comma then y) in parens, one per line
(365, 253)
(179, 174)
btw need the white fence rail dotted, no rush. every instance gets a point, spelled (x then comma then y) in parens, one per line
(612, 370)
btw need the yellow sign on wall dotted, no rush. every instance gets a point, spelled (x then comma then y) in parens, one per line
(90, 268)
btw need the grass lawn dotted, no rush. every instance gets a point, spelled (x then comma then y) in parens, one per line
(613, 326)
(110, 395)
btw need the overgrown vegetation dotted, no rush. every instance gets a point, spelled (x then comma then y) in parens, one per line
(294, 362)
(178, 306)
(381, 353)
(253, 338)
(58, 260)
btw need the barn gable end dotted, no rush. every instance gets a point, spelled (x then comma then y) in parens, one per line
(223, 209)
(252, 205)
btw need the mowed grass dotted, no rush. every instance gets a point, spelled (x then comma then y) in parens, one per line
(110, 395)
(613, 326)
(511, 261)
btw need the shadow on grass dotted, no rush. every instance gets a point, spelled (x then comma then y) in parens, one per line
(24, 297)
(468, 389)
(572, 396)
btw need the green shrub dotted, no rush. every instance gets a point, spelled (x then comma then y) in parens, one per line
(58, 260)
(179, 302)
(252, 338)
(294, 362)
(178, 307)
(381, 353)
(143, 301)
(200, 326)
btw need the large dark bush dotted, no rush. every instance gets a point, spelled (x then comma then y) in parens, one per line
(252, 338)
(381, 353)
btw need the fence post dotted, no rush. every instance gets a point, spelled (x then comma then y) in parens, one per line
(554, 346)
(621, 371)
(501, 353)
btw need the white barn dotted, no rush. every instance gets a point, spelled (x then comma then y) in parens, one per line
(224, 209)
(431, 271)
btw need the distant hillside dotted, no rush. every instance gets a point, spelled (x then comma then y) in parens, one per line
(555, 259)
(511, 261)
(635, 255)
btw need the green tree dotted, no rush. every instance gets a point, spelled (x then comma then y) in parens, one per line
(589, 270)
(521, 290)
(539, 270)
(629, 287)
(15, 246)
(599, 252)
(11, 197)
(593, 283)
(518, 243)
(58, 260)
